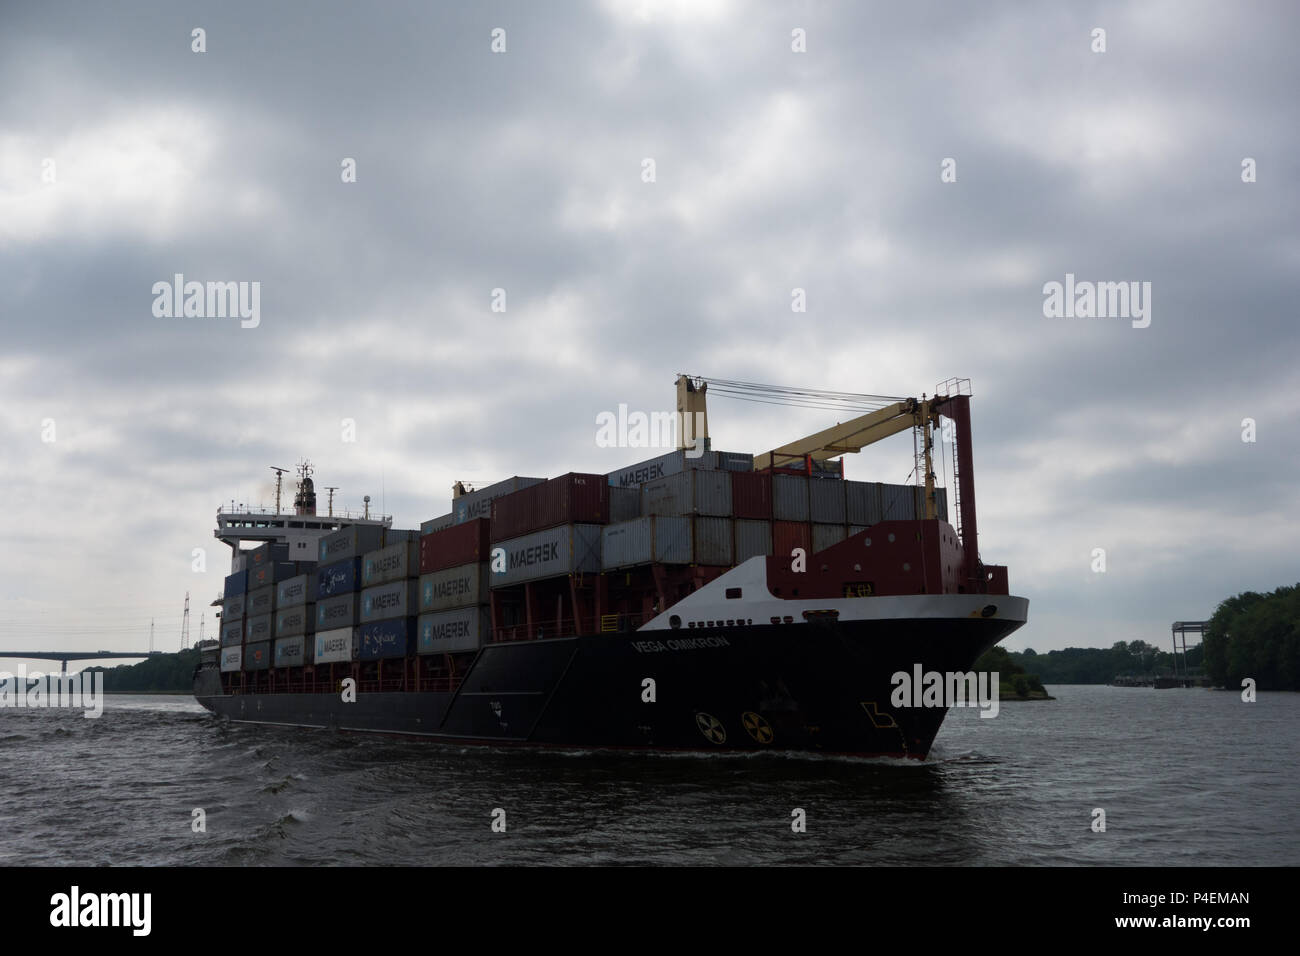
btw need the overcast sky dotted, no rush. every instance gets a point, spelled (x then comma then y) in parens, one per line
(524, 170)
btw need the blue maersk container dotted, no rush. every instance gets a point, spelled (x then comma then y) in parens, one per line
(236, 584)
(389, 638)
(338, 578)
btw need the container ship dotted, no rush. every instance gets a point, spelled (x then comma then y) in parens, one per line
(702, 600)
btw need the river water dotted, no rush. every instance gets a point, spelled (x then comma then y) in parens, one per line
(1188, 777)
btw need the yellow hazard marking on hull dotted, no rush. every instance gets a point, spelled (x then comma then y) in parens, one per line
(877, 718)
(711, 727)
(757, 727)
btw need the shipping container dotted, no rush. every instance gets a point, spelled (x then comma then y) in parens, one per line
(568, 549)
(261, 601)
(350, 542)
(624, 504)
(386, 601)
(335, 647)
(862, 502)
(940, 502)
(272, 572)
(788, 535)
(693, 492)
(452, 632)
(751, 495)
(232, 658)
(826, 502)
(236, 584)
(789, 498)
(234, 607)
(295, 620)
(257, 657)
(825, 535)
(437, 524)
(300, 589)
(753, 538)
(338, 578)
(897, 502)
(239, 562)
(648, 540)
(714, 540)
(258, 629)
(466, 543)
(390, 563)
(478, 504)
(675, 462)
(454, 587)
(267, 553)
(568, 500)
(232, 632)
(388, 638)
(342, 610)
(290, 651)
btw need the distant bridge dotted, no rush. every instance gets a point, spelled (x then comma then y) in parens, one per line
(66, 656)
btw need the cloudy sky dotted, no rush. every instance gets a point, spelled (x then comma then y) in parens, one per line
(126, 157)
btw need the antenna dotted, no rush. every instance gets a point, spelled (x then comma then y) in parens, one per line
(367, 501)
(331, 489)
(150, 635)
(201, 618)
(279, 478)
(185, 623)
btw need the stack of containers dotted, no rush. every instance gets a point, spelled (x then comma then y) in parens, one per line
(478, 504)
(338, 592)
(388, 582)
(751, 502)
(791, 515)
(295, 620)
(827, 512)
(550, 529)
(453, 588)
(232, 621)
(267, 567)
(702, 500)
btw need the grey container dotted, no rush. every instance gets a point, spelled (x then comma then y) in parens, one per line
(290, 651)
(343, 610)
(257, 629)
(233, 607)
(735, 461)
(296, 591)
(649, 540)
(753, 538)
(391, 563)
(261, 601)
(299, 619)
(940, 503)
(674, 462)
(789, 498)
(232, 632)
(463, 586)
(349, 542)
(692, 492)
(826, 502)
(437, 524)
(386, 601)
(897, 502)
(452, 632)
(862, 502)
(478, 504)
(714, 540)
(232, 658)
(825, 535)
(565, 549)
(624, 504)
(336, 646)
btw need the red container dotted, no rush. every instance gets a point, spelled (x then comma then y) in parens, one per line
(788, 535)
(570, 499)
(466, 543)
(751, 495)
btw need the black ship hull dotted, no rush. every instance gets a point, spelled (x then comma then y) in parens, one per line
(814, 687)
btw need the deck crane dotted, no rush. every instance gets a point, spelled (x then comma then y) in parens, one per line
(951, 400)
